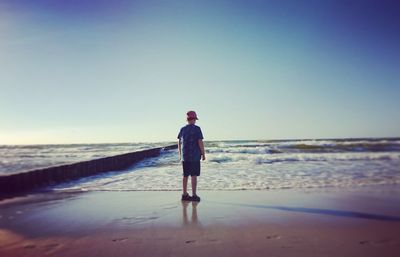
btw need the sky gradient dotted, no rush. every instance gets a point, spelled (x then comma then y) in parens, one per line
(127, 71)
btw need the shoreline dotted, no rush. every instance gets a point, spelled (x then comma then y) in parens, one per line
(40, 177)
(328, 222)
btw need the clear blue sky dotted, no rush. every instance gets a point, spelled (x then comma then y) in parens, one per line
(85, 71)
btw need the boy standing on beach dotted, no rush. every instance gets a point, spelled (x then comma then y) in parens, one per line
(191, 150)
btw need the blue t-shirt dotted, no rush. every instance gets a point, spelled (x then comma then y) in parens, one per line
(189, 136)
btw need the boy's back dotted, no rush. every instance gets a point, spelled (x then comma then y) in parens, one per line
(189, 136)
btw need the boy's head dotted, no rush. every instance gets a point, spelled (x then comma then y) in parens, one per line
(191, 117)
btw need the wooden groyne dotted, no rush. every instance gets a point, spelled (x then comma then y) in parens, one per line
(26, 181)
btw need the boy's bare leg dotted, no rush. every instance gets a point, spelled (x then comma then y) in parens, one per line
(184, 185)
(194, 184)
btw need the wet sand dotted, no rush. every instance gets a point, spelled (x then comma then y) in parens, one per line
(314, 222)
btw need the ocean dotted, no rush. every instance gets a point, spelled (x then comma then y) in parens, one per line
(230, 165)
(20, 158)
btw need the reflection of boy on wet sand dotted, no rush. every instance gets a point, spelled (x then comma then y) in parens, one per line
(191, 150)
(194, 218)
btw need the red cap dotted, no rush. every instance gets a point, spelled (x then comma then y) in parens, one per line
(191, 115)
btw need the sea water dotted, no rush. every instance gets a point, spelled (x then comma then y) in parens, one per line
(21, 158)
(261, 165)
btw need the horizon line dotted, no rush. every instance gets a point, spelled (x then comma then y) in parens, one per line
(171, 141)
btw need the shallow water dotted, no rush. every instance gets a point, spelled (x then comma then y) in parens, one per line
(259, 165)
(19, 158)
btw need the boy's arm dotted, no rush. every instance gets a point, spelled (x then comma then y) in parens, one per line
(180, 149)
(202, 151)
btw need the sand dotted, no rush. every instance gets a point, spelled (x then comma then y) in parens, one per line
(313, 222)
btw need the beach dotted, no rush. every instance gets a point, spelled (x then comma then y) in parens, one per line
(328, 197)
(361, 221)
(284, 114)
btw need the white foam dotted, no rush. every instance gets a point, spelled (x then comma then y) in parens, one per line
(239, 171)
(230, 165)
(28, 157)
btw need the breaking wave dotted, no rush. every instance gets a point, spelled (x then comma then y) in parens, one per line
(260, 165)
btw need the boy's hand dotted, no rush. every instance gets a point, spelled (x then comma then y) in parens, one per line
(203, 157)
